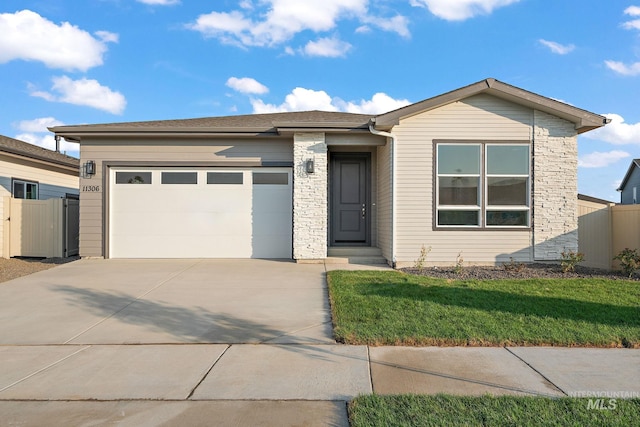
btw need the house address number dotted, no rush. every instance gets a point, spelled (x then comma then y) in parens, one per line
(91, 188)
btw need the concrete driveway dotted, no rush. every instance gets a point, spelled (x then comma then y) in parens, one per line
(166, 302)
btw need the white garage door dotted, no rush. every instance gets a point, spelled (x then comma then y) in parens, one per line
(200, 213)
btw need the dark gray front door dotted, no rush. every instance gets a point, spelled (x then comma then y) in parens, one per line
(350, 177)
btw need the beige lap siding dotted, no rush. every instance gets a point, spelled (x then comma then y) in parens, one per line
(384, 200)
(169, 152)
(481, 117)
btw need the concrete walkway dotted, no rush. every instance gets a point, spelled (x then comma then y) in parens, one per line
(124, 352)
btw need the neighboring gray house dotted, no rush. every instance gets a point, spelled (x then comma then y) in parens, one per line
(31, 172)
(488, 170)
(630, 186)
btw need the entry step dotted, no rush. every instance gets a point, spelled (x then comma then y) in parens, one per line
(354, 251)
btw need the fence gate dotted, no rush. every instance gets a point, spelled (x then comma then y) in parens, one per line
(42, 228)
(71, 227)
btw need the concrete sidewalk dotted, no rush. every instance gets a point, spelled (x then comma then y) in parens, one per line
(289, 384)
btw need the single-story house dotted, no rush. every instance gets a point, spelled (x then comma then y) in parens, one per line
(31, 172)
(485, 173)
(630, 186)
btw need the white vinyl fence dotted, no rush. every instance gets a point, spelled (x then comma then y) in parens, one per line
(606, 229)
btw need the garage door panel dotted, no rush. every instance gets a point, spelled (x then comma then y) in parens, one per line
(202, 220)
(160, 247)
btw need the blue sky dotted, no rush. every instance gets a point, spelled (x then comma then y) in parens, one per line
(101, 61)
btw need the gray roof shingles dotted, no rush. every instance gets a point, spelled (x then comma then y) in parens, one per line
(263, 122)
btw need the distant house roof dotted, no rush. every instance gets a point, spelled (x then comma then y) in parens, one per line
(635, 163)
(594, 199)
(277, 123)
(24, 149)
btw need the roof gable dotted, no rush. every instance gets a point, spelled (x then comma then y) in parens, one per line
(583, 120)
(24, 149)
(635, 164)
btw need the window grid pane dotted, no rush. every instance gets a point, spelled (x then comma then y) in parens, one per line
(454, 191)
(458, 159)
(507, 160)
(459, 218)
(224, 178)
(507, 218)
(133, 177)
(179, 178)
(18, 190)
(271, 178)
(32, 191)
(507, 191)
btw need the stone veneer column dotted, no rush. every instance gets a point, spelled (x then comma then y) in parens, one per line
(555, 187)
(309, 197)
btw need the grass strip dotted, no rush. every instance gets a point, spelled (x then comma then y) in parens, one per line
(394, 308)
(447, 410)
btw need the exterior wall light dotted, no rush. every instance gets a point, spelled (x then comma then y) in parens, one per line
(90, 168)
(309, 167)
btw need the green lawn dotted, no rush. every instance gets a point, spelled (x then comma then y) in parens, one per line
(444, 410)
(389, 307)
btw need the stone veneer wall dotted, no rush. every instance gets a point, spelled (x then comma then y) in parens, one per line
(309, 197)
(555, 187)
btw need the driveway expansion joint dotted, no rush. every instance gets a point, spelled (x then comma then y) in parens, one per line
(193, 390)
(45, 368)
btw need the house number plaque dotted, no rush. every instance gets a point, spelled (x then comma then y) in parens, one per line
(91, 188)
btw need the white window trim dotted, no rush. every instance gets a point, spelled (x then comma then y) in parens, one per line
(483, 189)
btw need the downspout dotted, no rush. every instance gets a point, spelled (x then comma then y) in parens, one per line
(392, 142)
(57, 138)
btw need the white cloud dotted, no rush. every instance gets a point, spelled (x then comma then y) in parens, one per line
(460, 10)
(28, 36)
(85, 92)
(38, 125)
(558, 48)
(159, 2)
(398, 24)
(634, 24)
(278, 21)
(632, 11)
(48, 141)
(35, 132)
(328, 47)
(247, 85)
(301, 99)
(617, 132)
(108, 36)
(379, 103)
(600, 160)
(624, 69)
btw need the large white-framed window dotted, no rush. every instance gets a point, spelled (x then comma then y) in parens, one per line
(483, 185)
(24, 189)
